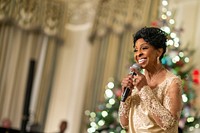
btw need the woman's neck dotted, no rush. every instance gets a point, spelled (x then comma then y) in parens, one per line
(153, 71)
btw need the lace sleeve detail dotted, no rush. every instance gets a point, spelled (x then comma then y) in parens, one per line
(125, 107)
(123, 112)
(166, 117)
(173, 97)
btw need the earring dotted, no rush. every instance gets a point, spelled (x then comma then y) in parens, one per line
(158, 60)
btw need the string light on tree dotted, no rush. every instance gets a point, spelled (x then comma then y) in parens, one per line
(176, 60)
(105, 118)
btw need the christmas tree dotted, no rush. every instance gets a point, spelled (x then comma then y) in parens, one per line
(105, 118)
(176, 59)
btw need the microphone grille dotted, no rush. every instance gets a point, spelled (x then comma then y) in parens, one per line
(136, 66)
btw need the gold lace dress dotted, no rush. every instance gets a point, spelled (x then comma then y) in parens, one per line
(142, 106)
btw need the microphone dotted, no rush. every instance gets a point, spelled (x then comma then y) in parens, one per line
(127, 90)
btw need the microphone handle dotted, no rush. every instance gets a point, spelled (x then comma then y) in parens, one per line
(125, 94)
(127, 90)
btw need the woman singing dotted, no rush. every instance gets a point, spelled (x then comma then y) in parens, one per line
(154, 103)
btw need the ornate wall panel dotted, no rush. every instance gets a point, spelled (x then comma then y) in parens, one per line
(45, 15)
(5, 9)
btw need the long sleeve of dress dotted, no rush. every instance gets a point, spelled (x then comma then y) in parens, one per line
(124, 107)
(123, 112)
(168, 112)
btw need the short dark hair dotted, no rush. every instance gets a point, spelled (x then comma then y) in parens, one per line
(154, 36)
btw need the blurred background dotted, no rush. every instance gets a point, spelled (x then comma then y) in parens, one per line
(63, 60)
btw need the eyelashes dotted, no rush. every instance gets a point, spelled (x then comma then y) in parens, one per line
(141, 49)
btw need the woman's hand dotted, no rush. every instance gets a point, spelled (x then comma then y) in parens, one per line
(127, 82)
(139, 80)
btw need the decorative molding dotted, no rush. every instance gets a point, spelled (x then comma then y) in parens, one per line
(117, 16)
(5, 9)
(81, 11)
(45, 15)
(51, 16)
(53, 19)
(26, 13)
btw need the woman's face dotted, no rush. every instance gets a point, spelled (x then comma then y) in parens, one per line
(145, 54)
